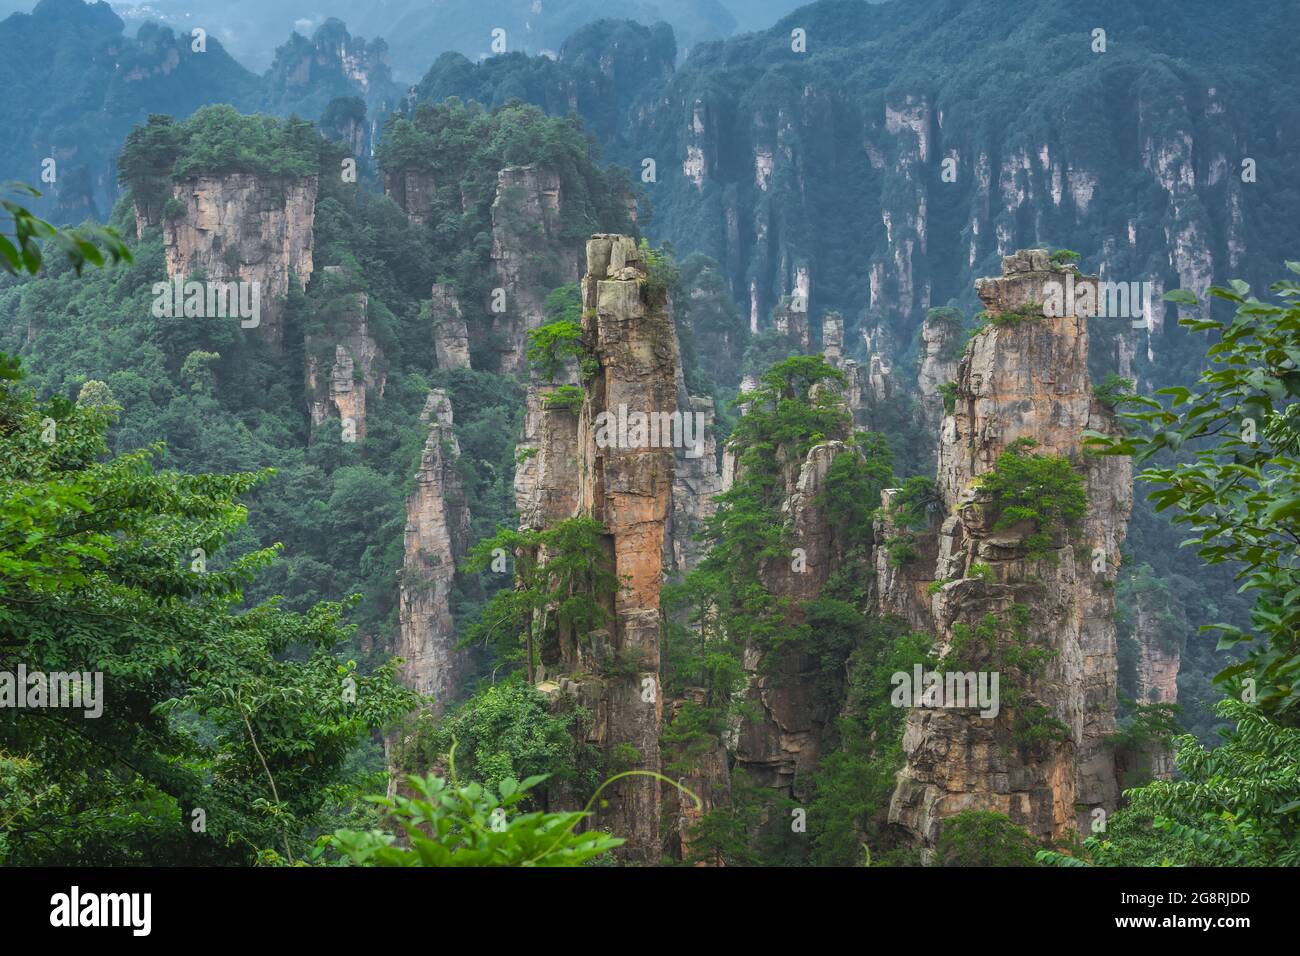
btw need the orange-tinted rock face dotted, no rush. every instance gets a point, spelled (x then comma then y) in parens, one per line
(1028, 379)
(649, 494)
(628, 489)
(569, 466)
(239, 227)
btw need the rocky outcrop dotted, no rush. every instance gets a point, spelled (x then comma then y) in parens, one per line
(437, 536)
(354, 363)
(790, 318)
(546, 461)
(1157, 628)
(450, 338)
(354, 372)
(331, 61)
(529, 257)
(833, 338)
(697, 480)
(240, 227)
(904, 585)
(1158, 657)
(1045, 761)
(413, 190)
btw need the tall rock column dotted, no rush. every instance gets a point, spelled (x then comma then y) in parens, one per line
(594, 461)
(450, 337)
(626, 484)
(780, 744)
(1023, 379)
(437, 536)
(939, 345)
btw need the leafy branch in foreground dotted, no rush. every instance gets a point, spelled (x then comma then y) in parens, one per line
(20, 249)
(470, 825)
(1239, 492)
(450, 825)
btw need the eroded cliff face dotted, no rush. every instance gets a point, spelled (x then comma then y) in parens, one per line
(340, 378)
(246, 228)
(1157, 628)
(1023, 380)
(940, 341)
(697, 480)
(546, 460)
(450, 337)
(332, 59)
(529, 256)
(414, 191)
(437, 537)
(1158, 656)
(790, 317)
(757, 160)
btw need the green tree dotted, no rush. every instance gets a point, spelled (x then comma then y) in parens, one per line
(225, 730)
(1239, 492)
(1237, 804)
(562, 585)
(1042, 490)
(983, 838)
